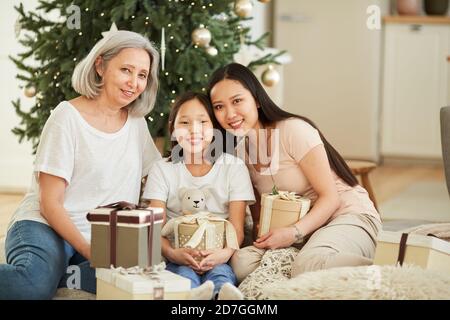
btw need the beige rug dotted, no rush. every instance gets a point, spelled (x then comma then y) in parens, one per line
(427, 200)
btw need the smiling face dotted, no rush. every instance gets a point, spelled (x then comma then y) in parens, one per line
(234, 107)
(193, 127)
(124, 76)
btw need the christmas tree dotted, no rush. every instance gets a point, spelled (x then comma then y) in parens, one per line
(194, 38)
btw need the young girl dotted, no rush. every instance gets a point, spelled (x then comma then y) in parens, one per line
(342, 226)
(194, 164)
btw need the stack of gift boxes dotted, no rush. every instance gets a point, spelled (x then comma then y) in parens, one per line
(126, 252)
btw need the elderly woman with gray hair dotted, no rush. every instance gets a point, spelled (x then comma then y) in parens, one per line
(93, 151)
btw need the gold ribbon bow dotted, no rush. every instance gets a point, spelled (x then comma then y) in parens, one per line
(206, 227)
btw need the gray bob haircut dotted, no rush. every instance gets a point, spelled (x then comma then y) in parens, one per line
(87, 82)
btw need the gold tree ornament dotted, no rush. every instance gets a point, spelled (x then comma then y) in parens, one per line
(212, 51)
(270, 76)
(243, 8)
(30, 92)
(201, 37)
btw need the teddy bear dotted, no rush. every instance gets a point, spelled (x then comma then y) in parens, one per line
(193, 200)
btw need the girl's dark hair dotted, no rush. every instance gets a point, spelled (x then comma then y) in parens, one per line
(269, 113)
(176, 150)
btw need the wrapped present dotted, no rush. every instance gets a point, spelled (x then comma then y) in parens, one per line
(125, 235)
(213, 236)
(201, 231)
(281, 210)
(428, 252)
(140, 284)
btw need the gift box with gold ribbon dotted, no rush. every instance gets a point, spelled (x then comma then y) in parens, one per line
(140, 284)
(201, 231)
(125, 235)
(281, 210)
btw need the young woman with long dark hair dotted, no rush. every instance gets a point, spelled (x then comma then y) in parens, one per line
(342, 225)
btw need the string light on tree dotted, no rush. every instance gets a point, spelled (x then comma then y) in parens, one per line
(270, 76)
(201, 36)
(243, 8)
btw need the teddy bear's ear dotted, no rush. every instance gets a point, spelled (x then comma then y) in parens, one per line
(209, 192)
(181, 192)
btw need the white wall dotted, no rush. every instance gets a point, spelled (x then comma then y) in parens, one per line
(335, 71)
(260, 23)
(16, 159)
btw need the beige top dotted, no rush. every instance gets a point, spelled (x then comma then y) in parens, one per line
(295, 139)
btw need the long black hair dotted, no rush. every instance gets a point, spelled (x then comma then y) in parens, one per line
(269, 113)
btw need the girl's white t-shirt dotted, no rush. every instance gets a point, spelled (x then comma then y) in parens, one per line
(99, 168)
(228, 178)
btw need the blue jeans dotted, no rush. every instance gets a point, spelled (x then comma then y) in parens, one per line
(37, 260)
(219, 275)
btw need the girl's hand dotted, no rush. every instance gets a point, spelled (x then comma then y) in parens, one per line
(277, 238)
(185, 257)
(215, 257)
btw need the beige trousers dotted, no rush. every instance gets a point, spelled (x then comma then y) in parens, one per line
(347, 240)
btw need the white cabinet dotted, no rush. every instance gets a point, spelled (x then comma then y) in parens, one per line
(416, 82)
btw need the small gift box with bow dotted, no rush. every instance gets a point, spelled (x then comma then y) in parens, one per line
(281, 210)
(428, 252)
(125, 235)
(141, 284)
(201, 231)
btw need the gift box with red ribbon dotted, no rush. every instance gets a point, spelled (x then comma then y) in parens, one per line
(125, 235)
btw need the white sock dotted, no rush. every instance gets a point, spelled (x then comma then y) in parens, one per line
(204, 292)
(230, 292)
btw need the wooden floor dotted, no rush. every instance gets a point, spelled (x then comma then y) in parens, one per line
(387, 181)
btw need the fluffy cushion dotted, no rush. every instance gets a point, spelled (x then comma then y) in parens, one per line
(365, 282)
(275, 267)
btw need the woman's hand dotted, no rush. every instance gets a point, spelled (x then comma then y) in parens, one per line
(277, 238)
(215, 257)
(185, 257)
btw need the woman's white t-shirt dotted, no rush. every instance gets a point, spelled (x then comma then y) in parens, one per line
(99, 168)
(228, 178)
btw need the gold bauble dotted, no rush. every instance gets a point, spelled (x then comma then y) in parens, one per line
(212, 51)
(243, 8)
(30, 92)
(270, 76)
(201, 37)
